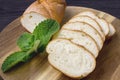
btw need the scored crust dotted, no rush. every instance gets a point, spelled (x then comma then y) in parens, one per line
(53, 9)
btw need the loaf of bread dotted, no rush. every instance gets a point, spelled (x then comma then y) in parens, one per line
(74, 49)
(42, 9)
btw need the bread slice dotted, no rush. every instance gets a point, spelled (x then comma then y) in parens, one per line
(72, 60)
(30, 20)
(112, 31)
(88, 29)
(80, 38)
(103, 24)
(90, 21)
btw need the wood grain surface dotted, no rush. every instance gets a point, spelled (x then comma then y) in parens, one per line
(108, 62)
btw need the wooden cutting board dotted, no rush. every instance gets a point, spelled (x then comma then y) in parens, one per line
(108, 62)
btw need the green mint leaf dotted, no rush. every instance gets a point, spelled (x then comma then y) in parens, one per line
(12, 60)
(19, 57)
(44, 31)
(25, 41)
(35, 47)
(31, 44)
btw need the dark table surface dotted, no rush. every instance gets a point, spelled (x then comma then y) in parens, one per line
(12, 9)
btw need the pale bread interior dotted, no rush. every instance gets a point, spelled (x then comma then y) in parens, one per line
(88, 29)
(80, 38)
(31, 20)
(103, 24)
(90, 21)
(112, 30)
(77, 44)
(74, 61)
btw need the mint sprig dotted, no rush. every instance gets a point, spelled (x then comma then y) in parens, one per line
(31, 44)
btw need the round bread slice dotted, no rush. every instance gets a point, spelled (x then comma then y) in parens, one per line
(88, 29)
(30, 20)
(90, 21)
(103, 24)
(80, 38)
(72, 60)
(112, 31)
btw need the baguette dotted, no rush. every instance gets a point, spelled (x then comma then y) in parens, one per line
(88, 29)
(80, 38)
(72, 60)
(31, 20)
(103, 24)
(90, 21)
(53, 9)
(75, 47)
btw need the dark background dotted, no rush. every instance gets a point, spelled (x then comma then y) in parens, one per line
(11, 9)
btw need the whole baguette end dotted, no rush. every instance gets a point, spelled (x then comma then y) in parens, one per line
(53, 9)
(30, 20)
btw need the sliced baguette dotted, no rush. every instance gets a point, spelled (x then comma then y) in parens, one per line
(80, 38)
(88, 29)
(112, 31)
(30, 20)
(90, 21)
(103, 24)
(72, 60)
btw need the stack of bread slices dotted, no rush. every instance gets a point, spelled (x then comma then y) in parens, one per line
(74, 49)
